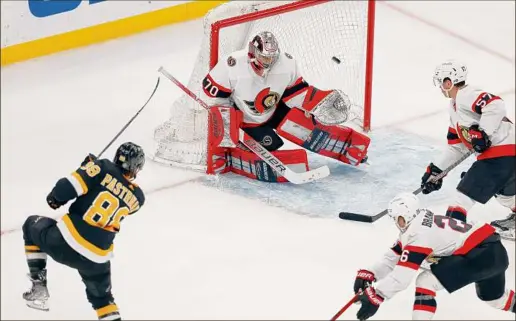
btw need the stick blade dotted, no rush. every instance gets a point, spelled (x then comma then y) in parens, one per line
(355, 217)
(307, 177)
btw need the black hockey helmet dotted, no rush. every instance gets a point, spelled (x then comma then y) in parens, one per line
(130, 158)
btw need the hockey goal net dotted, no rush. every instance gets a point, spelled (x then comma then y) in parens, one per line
(313, 31)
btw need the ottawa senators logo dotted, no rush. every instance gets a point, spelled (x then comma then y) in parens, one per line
(264, 101)
(463, 132)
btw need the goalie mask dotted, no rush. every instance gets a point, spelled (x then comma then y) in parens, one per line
(403, 209)
(263, 52)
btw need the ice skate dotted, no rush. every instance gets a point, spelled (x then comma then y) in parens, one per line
(37, 296)
(505, 227)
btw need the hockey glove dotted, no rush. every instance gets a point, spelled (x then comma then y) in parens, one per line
(53, 202)
(88, 159)
(479, 139)
(370, 301)
(364, 279)
(427, 184)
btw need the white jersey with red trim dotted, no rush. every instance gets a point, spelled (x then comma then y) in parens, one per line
(233, 82)
(428, 237)
(475, 106)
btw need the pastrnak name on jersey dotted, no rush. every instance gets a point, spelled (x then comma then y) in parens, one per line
(120, 190)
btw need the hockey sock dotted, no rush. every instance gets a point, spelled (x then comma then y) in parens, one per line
(36, 259)
(506, 302)
(109, 312)
(424, 304)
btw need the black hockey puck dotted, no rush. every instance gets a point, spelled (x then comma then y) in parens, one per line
(337, 60)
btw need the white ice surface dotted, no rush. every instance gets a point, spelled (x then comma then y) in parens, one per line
(232, 248)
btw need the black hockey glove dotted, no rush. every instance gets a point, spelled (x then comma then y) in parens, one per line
(53, 202)
(370, 301)
(88, 159)
(479, 139)
(363, 279)
(430, 186)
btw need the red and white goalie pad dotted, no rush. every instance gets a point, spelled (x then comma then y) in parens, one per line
(341, 143)
(246, 163)
(228, 155)
(224, 125)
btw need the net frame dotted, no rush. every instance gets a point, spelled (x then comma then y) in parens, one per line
(218, 26)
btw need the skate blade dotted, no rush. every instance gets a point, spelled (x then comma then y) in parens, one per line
(38, 305)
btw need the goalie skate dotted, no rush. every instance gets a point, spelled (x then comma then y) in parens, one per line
(37, 297)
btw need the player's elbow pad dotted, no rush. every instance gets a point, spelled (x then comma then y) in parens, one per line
(64, 191)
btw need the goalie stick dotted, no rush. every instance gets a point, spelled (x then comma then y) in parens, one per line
(372, 218)
(257, 148)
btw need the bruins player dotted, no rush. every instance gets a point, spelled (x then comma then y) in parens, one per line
(104, 195)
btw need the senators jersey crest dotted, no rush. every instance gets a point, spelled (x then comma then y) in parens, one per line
(264, 101)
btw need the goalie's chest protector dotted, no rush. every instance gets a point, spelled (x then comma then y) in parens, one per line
(257, 97)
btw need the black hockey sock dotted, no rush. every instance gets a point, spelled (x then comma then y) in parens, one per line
(36, 260)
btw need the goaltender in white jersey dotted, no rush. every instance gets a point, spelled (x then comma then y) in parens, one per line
(459, 253)
(255, 95)
(265, 94)
(478, 122)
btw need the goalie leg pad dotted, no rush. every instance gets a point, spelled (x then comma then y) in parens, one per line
(224, 125)
(341, 143)
(246, 163)
(223, 131)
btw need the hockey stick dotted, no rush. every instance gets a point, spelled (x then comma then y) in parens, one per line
(372, 218)
(257, 148)
(344, 308)
(130, 121)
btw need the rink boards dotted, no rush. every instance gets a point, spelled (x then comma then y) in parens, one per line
(33, 28)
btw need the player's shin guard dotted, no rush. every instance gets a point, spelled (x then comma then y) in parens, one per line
(459, 208)
(109, 312)
(246, 163)
(341, 143)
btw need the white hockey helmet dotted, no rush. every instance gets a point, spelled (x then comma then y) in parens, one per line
(455, 71)
(404, 205)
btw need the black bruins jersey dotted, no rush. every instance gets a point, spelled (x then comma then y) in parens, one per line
(104, 197)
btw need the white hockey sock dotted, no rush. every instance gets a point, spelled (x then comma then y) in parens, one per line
(507, 201)
(506, 302)
(425, 304)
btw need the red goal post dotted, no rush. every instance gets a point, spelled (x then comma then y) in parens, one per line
(313, 31)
